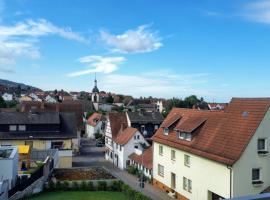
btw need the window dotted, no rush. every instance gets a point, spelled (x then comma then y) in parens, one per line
(120, 148)
(22, 128)
(116, 146)
(12, 128)
(187, 160)
(262, 146)
(135, 137)
(165, 131)
(184, 136)
(160, 150)
(146, 170)
(56, 145)
(160, 170)
(187, 184)
(138, 137)
(156, 127)
(184, 183)
(256, 176)
(172, 154)
(136, 147)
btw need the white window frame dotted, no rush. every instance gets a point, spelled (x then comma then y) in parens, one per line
(186, 160)
(173, 155)
(20, 128)
(12, 127)
(189, 186)
(256, 180)
(160, 150)
(161, 170)
(185, 183)
(265, 150)
(166, 131)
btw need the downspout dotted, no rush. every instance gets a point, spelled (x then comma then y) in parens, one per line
(230, 168)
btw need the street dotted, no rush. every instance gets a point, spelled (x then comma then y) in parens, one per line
(94, 156)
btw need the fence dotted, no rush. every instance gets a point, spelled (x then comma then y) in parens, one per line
(25, 181)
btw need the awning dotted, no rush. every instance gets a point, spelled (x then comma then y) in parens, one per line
(24, 149)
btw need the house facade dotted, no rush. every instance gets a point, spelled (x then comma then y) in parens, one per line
(126, 142)
(115, 123)
(227, 151)
(94, 125)
(9, 159)
(146, 122)
(41, 131)
(7, 97)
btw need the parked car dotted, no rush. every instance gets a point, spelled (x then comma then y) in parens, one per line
(99, 143)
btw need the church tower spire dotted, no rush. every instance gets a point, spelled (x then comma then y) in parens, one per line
(95, 92)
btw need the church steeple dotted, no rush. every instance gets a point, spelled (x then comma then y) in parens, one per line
(95, 89)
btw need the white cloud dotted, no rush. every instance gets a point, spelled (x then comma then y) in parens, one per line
(150, 84)
(138, 40)
(98, 64)
(258, 11)
(20, 40)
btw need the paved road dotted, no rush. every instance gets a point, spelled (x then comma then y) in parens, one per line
(94, 156)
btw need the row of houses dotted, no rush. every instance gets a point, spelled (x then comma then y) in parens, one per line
(198, 154)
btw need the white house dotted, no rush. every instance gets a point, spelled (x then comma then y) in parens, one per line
(126, 142)
(143, 160)
(34, 97)
(94, 125)
(115, 123)
(9, 159)
(211, 155)
(50, 99)
(7, 97)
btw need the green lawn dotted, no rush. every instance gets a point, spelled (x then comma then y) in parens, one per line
(79, 195)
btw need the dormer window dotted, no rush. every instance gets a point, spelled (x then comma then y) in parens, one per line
(262, 146)
(12, 128)
(22, 128)
(184, 136)
(166, 131)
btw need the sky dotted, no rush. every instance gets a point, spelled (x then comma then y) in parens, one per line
(216, 49)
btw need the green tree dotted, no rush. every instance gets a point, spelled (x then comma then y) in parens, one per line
(2, 103)
(191, 101)
(109, 99)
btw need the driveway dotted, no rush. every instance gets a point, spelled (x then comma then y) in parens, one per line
(94, 156)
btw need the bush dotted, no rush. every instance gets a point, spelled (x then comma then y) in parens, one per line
(133, 170)
(84, 186)
(58, 185)
(98, 135)
(102, 186)
(51, 186)
(90, 186)
(75, 185)
(65, 185)
(116, 186)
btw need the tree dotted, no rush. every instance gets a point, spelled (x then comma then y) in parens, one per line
(109, 99)
(2, 103)
(191, 101)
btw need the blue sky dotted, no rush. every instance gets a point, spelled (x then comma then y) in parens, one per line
(215, 49)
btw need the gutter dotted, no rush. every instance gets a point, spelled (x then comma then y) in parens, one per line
(230, 168)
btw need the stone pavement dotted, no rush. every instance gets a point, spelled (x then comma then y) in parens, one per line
(94, 156)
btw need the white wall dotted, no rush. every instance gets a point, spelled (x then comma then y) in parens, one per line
(108, 141)
(128, 149)
(242, 169)
(206, 175)
(91, 130)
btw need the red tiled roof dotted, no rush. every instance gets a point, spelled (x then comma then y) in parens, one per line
(118, 121)
(224, 135)
(94, 119)
(189, 124)
(145, 159)
(123, 137)
(171, 119)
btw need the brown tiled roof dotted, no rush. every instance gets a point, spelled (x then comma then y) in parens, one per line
(94, 119)
(171, 119)
(224, 135)
(124, 136)
(118, 121)
(145, 159)
(189, 124)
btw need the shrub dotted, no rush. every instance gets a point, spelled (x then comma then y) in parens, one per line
(51, 186)
(65, 185)
(58, 185)
(90, 186)
(116, 186)
(83, 186)
(133, 170)
(75, 185)
(102, 185)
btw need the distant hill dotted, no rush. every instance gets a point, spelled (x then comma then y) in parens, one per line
(12, 86)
